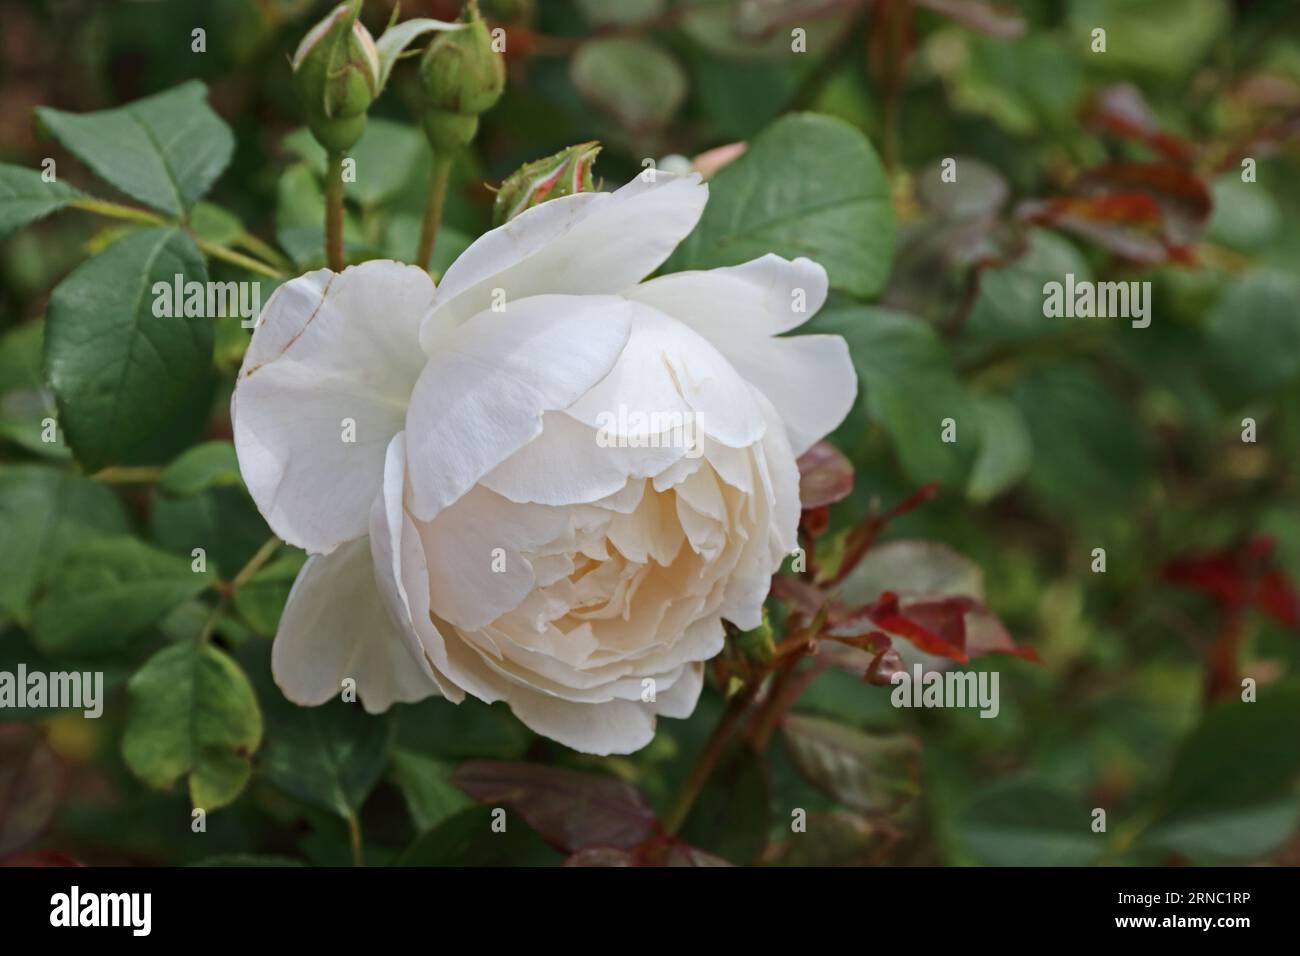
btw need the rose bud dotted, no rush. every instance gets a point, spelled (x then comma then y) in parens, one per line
(336, 75)
(564, 174)
(461, 76)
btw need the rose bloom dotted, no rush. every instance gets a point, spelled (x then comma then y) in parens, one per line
(488, 529)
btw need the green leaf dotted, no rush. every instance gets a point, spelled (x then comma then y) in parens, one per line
(632, 80)
(165, 150)
(1009, 307)
(26, 197)
(43, 514)
(620, 12)
(1165, 37)
(1089, 454)
(212, 464)
(468, 839)
(300, 217)
(260, 602)
(1028, 824)
(108, 590)
(388, 157)
(215, 224)
(731, 816)
(810, 186)
(439, 728)
(1232, 791)
(131, 387)
(329, 756)
(1005, 451)
(1253, 335)
(908, 385)
(426, 784)
(193, 713)
(222, 520)
(25, 401)
(870, 773)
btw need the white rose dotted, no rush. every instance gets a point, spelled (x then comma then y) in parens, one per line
(502, 525)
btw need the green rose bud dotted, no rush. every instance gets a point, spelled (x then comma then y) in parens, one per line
(564, 174)
(461, 76)
(336, 76)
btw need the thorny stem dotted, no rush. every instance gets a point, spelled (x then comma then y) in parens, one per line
(783, 692)
(708, 759)
(433, 210)
(334, 211)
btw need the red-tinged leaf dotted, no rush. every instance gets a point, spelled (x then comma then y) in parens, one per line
(992, 19)
(862, 538)
(813, 522)
(1241, 577)
(927, 594)
(1122, 111)
(659, 851)
(1278, 598)
(1149, 213)
(1127, 224)
(601, 856)
(32, 783)
(667, 851)
(570, 810)
(825, 476)
(986, 634)
(837, 838)
(870, 773)
(798, 595)
(884, 613)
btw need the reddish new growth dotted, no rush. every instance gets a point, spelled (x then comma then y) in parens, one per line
(1239, 579)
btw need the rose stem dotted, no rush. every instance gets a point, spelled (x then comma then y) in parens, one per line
(334, 211)
(708, 759)
(433, 210)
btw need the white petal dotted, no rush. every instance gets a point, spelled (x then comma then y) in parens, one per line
(475, 551)
(328, 348)
(483, 393)
(587, 243)
(569, 463)
(679, 698)
(809, 379)
(335, 626)
(387, 523)
(611, 727)
(671, 378)
(765, 296)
